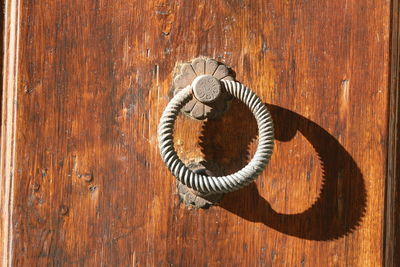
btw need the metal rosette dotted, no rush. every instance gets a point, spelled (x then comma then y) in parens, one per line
(187, 74)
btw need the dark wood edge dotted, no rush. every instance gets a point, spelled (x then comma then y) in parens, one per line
(391, 244)
(9, 107)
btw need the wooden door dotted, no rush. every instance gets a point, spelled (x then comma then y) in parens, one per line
(85, 83)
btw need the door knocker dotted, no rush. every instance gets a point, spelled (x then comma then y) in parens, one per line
(203, 90)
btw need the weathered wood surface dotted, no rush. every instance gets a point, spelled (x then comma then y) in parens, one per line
(392, 204)
(88, 187)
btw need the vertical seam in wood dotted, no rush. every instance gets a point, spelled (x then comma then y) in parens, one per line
(9, 109)
(392, 205)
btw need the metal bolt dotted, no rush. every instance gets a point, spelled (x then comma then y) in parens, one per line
(206, 88)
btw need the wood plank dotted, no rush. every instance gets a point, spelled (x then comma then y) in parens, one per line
(392, 223)
(9, 67)
(88, 186)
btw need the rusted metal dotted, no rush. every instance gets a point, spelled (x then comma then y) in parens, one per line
(210, 100)
(193, 198)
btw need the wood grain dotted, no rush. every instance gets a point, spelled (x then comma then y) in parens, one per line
(392, 205)
(92, 79)
(8, 126)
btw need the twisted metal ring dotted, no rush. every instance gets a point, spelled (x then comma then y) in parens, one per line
(220, 184)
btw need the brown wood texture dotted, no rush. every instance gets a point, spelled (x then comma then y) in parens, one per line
(392, 205)
(9, 101)
(85, 85)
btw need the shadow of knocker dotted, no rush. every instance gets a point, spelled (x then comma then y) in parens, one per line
(341, 203)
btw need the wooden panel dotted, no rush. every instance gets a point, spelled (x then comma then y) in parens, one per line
(392, 204)
(88, 186)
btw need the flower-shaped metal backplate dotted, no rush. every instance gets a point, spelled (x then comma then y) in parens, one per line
(200, 67)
